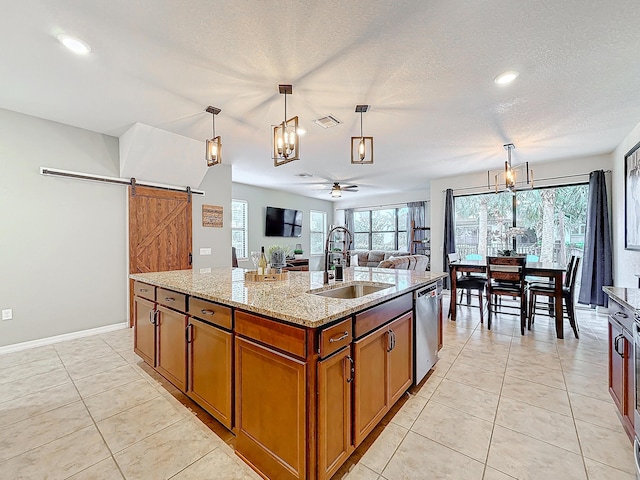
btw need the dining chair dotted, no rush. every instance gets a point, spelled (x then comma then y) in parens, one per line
(467, 284)
(548, 290)
(505, 278)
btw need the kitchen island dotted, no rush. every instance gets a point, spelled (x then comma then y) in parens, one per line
(300, 378)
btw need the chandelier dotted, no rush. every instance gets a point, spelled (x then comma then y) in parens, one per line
(512, 177)
(361, 147)
(286, 147)
(214, 145)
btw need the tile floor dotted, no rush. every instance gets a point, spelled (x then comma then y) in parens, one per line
(498, 406)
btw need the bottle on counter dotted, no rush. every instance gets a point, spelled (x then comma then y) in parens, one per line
(262, 263)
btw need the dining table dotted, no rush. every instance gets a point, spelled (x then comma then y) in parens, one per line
(551, 270)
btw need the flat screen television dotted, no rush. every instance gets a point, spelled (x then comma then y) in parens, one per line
(283, 222)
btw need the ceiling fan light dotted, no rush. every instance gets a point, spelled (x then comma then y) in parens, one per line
(336, 191)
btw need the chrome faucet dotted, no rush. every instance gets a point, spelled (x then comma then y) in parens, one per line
(326, 248)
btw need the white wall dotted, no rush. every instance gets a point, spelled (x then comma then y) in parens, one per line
(478, 180)
(626, 263)
(258, 199)
(217, 187)
(62, 241)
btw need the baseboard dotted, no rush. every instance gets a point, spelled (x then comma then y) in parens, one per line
(61, 338)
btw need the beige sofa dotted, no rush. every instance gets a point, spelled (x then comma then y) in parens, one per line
(407, 262)
(372, 258)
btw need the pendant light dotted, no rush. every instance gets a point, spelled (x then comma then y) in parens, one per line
(286, 145)
(361, 147)
(214, 145)
(513, 176)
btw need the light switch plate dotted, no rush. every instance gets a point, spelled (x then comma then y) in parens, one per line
(205, 251)
(7, 314)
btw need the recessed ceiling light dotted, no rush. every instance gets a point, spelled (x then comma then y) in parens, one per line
(74, 44)
(506, 77)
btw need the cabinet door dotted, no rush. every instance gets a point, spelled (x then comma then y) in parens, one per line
(335, 376)
(209, 369)
(171, 358)
(144, 330)
(270, 399)
(629, 386)
(400, 357)
(370, 389)
(616, 365)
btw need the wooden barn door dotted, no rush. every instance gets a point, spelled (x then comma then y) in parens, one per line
(159, 232)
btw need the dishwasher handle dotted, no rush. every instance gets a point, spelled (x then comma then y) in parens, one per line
(430, 290)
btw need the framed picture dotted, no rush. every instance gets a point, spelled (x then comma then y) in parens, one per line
(632, 199)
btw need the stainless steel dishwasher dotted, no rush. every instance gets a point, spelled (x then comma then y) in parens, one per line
(426, 305)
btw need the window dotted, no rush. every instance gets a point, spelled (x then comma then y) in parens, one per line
(239, 232)
(317, 232)
(550, 222)
(384, 229)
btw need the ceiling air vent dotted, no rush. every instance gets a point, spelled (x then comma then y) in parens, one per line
(328, 121)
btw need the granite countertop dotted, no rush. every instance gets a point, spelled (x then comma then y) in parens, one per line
(629, 297)
(290, 300)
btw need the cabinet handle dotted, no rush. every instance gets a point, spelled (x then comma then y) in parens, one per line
(389, 341)
(341, 337)
(621, 315)
(351, 369)
(188, 333)
(143, 290)
(207, 312)
(616, 342)
(393, 339)
(152, 314)
(169, 299)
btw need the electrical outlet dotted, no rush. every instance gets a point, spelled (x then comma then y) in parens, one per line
(205, 270)
(205, 251)
(7, 314)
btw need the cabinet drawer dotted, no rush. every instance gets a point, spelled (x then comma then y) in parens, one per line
(284, 337)
(334, 338)
(144, 290)
(371, 319)
(210, 312)
(171, 299)
(621, 314)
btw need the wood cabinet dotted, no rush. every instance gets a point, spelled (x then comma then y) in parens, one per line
(335, 375)
(383, 372)
(144, 329)
(621, 367)
(271, 410)
(209, 369)
(171, 355)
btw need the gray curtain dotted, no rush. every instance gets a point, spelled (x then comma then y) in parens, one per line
(417, 214)
(348, 222)
(449, 231)
(597, 258)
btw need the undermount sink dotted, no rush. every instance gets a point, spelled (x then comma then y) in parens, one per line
(355, 290)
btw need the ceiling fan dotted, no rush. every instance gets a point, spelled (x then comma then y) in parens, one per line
(337, 189)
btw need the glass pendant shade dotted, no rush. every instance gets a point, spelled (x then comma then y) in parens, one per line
(214, 151)
(336, 191)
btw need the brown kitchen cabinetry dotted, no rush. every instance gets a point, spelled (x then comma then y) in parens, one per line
(621, 368)
(383, 372)
(271, 410)
(171, 356)
(209, 369)
(144, 329)
(335, 376)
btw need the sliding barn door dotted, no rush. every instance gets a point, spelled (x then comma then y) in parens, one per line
(159, 232)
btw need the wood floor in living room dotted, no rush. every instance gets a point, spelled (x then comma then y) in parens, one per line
(497, 406)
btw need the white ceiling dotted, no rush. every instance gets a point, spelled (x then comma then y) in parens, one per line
(425, 67)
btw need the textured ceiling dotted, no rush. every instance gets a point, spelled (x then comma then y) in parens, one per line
(425, 67)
